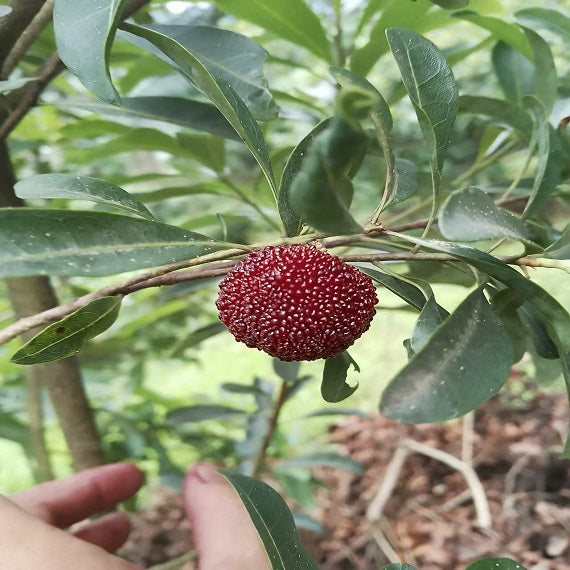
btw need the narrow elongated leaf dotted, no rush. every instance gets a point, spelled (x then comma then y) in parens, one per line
(549, 154)
(63, 242)
(65, 338)
(470, 215)
(431, 317)
(80, 188)
(197, 336)
(507, 32)
(274, 523)
(553, 20)
(406, 291)
(533, 321)
(219, 91)
(321, 192)
(430, 85)
(185, 112)
(502, 112)
(334, 387)
(399, 566)
(291, 221)
(463, 364)
(338, 412)
(289, 19)
(560, 249)
(405, 182)
(200, 413)
(514, 71)
(234, 57)
(11, 428)
(451, 4)
(506, 303)
(84, 31)
(321, 460)
(495, 564)
(11, 84)
(545, 77)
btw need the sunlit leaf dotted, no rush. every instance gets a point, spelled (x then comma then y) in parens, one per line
(553, 20)
(200, 413)
(290, 19)
(495, 564)
(65, 338)
(80, 188)
(84, 31)
(274, 523)
(219, 91)
(64, 242)
(334, 387)
(470, 215)
(463, 364)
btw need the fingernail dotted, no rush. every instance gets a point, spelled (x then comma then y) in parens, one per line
(204, 473)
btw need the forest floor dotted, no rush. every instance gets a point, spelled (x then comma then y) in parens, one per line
(428, 516)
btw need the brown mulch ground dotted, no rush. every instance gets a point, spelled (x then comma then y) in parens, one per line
(429, 520)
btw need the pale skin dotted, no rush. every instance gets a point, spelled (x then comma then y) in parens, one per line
(33, 522)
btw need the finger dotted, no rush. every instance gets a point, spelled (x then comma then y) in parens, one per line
(26, 543)
(224, 535)
(109, 532)
(75, 498)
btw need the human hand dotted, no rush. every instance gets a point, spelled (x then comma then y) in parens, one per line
(31, 522)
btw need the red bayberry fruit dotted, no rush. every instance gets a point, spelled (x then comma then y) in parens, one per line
(296, 302)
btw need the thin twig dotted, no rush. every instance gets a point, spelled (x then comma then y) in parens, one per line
(28, 36)
(468, 438)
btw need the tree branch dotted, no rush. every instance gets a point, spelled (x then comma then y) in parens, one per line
(218, 265)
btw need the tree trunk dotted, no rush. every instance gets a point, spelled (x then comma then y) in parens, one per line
(30, 295)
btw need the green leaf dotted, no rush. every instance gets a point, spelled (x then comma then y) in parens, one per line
(495, 564)
(185, 112)
(65, 338)
(333, 460)
(234, 57)
(553, 20)
(63, 242)
(287, 371)
(208, 150)
(80, 188)
(430, 85)
(549, 153)
(451, 4)
(431, 317)
(506, 304)
(197, 336)
(507, 32)
(514, 71)
(338, 412)
(334, 387)
(294, 164)
(13, 429)
(405, 182)
(288, 19)
(322, 191)
(501, 112)
(560, 249)
(11, 84)
(200, 413)
(470, 215)
(406, 291)
(398, 566)
(462, 365)
(274, 523)
(545, 77)
(219, 91)
(84, 31)
(533, 321)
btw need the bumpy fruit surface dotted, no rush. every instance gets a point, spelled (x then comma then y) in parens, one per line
(296, 302)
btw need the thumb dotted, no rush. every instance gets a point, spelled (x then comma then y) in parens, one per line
(224, 534)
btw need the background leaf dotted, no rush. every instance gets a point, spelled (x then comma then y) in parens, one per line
(63, 242)
(219, 91)
(80, 188)
(273, 522)
(234, 57)
(333, 460)
(553, 20)
(288, 19)
(463, 364)
(470, 215)
(334, 387)
(84, 32)
(65, 338)
(200, 413)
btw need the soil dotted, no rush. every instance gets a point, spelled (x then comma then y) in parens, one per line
(429, 519)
